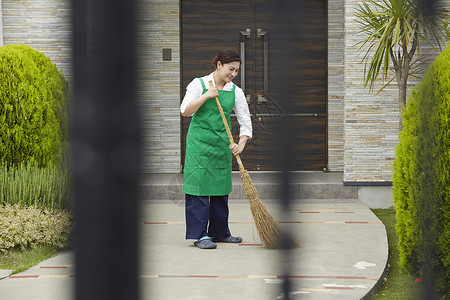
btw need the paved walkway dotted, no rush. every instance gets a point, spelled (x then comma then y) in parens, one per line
(343, 256)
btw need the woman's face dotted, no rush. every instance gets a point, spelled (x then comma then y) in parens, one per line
(228, 71)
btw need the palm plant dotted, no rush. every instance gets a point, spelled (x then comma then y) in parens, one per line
(395, 30)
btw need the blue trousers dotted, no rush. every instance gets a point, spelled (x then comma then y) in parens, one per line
(202, 211)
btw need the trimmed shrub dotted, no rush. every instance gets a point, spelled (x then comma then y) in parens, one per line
(33, 108)
(405, 188)
(26, 227)
(422, 180)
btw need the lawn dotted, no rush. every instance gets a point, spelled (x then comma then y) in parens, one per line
(20, 260)
(398, 285)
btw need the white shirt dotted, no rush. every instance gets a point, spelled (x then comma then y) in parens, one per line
(195, 90)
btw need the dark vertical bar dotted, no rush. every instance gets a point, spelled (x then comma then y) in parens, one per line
(284, 132)
(105, 149)
(428, 6)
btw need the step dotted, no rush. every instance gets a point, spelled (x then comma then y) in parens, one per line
(315, 186)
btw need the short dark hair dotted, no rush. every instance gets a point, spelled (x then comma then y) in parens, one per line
(226, 56)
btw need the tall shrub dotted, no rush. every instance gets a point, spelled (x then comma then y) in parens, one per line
(33, 108)
(442, 169)
(405, 182)
(422, 180)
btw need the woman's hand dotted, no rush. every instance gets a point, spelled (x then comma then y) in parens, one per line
(236, 149)
(195, 104)
(212, 92)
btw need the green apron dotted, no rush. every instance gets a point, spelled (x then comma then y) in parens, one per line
(207, 167)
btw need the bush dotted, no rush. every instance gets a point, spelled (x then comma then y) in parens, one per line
(405, 186)
(26, 227)
(33, 108)
(30, 185)
(422, 179)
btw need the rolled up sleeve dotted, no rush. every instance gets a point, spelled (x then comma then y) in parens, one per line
(193, 91)
(243, 114)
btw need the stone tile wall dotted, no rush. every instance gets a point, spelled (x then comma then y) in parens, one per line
(371, 120)
(42, 24)
(336, 88)
(159, 85)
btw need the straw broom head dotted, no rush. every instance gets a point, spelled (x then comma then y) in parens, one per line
(269, 230)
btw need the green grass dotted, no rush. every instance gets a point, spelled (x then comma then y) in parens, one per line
(20, 260)
(398, 285)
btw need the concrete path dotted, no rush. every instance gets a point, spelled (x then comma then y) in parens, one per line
(343, 256)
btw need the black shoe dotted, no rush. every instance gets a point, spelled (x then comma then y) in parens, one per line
(205, 244)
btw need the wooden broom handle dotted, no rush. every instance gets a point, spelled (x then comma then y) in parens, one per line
(230, 137)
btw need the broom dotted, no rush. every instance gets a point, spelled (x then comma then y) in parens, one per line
(268, 229)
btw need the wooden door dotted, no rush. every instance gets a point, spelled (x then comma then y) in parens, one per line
(283, 74)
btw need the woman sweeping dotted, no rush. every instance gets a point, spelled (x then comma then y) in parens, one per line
(207, 168)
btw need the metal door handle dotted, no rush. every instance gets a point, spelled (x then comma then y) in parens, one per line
(264, 35)
(291, 115)
(244, 35)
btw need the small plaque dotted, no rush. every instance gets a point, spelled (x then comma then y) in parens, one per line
(167, 54)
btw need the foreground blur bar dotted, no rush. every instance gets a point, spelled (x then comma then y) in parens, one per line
(282, 10)
(105, 149)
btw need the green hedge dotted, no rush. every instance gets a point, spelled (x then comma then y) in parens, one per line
(33, 108)
(421, 179)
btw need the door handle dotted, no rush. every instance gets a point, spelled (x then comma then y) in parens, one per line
(244, 35)
(265, 36)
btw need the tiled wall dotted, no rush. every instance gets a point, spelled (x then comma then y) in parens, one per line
(371, 120)
(159, 85)
(336, 90)
(42, 24)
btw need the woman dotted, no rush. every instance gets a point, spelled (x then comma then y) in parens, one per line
(207, 168)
